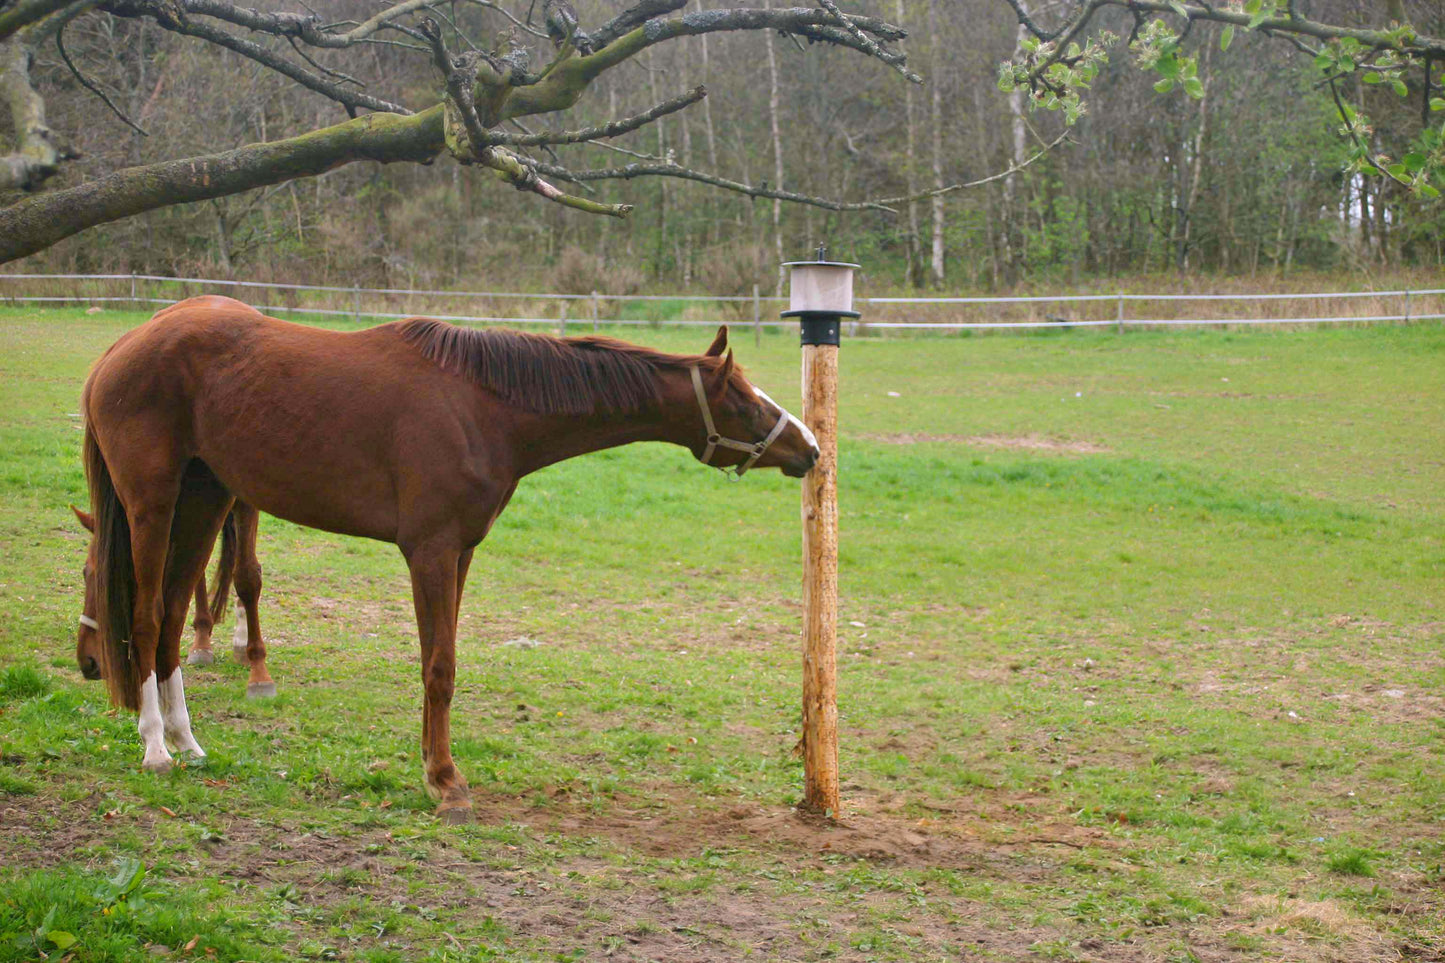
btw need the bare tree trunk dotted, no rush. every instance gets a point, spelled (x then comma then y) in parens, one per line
(773, 102)
(223, 235)
(910, 167)
(714, 224)
(1020, 145)
(936, 267)
(1196, 176)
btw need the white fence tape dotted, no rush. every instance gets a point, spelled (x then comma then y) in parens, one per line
(1117, 322)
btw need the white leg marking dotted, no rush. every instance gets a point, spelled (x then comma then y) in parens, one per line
(239, 638)
(802, 428)
(177, 718)
(152, 727)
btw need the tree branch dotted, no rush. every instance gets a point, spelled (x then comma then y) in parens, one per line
(164, 15)
(896, 61)
(26, 12)
(60, 46)
(568, 78)
(615, 128)
(1012, 170)
(40, 221)
(38, 149)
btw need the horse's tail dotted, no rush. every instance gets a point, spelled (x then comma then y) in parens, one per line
(225, 568)
(114, 580)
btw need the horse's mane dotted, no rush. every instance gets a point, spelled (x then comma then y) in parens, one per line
(547, 375)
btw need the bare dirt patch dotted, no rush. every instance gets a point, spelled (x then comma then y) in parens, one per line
(1035, 443)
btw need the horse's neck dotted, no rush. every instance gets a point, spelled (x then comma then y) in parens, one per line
(548, 439)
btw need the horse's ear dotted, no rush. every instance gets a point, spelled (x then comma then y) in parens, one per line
(725, 370)
(86, 518)
(719, 344)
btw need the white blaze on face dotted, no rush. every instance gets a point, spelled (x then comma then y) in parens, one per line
(152, 726)
(177, 719)
(808, 435)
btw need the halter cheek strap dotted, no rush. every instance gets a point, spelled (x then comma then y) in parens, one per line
(89, 623)
(755, 449)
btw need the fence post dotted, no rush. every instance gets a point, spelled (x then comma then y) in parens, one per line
(1119, 317)
(562, 322)
(757, 319)
(132, 287)
(356, 303)
(1407, 305)
(594, 312)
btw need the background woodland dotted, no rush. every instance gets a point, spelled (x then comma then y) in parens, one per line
(1246, 180)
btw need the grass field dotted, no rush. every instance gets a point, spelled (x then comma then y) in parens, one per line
(1141, 659)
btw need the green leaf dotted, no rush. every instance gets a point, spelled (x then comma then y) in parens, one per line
(1414, 163)
(61, 939)
(1429, 191)
(1251, 7)
(1373, 77)
(1396, 171)
(128, 876)
(1165, 85)
(1437, 103)
(1400, 88)
(1179, 8)
(1194, 88)
(1227, 37)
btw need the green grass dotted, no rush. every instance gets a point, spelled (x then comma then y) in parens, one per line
(1136, 662)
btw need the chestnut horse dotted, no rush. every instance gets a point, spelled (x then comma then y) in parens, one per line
(238, 564)
(415, 432)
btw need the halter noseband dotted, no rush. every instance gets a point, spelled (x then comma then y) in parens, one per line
(89, 622)
(755, 449)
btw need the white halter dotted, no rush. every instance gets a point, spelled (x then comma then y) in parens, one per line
(755, 449)
(89, 622)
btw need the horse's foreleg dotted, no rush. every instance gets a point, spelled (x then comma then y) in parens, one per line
(198, 515)
(434, 586)
(149, 539)
(203, 625)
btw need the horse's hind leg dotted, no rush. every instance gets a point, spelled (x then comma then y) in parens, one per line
(435, 585)
(197, 519)
(203, 625)
(249, 645)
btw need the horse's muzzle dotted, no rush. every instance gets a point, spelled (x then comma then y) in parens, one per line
(800, 466)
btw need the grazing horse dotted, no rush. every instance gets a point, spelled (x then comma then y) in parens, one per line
(414, 432)
(238, 564)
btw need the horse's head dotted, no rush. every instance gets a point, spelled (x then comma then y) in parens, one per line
(742, 427)
(87, 640)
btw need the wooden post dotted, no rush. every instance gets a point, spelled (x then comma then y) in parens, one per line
(1120, 316)
(820, 583)
(594, 312)
(356, 303)
(562, 322)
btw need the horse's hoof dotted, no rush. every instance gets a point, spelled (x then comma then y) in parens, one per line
(238, 652)
(261, 690)
(158, 766)
(456, 814)
(200, 657)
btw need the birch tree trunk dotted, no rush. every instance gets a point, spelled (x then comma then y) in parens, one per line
(936, 267)
(910, 168)
(1020, 146)
(773, 101)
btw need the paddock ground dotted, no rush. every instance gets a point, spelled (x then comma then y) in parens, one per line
(1141, 660)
